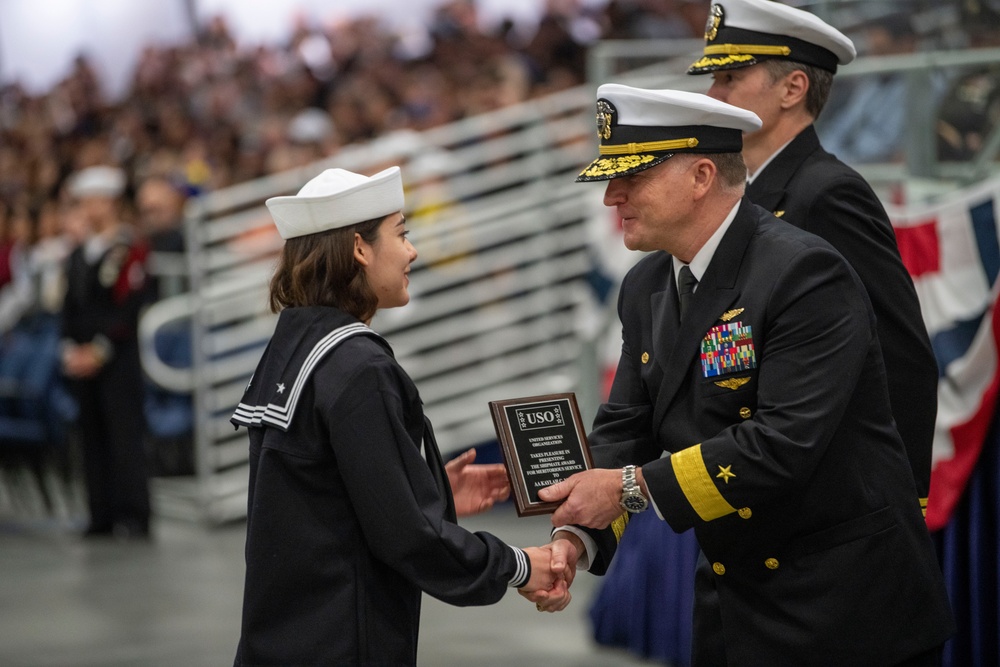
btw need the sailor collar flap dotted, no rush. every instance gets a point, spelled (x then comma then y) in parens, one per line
(274, 390)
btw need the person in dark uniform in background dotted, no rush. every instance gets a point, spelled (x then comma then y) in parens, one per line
(351, 512)
(106, 288)
(749, 404)
(779, 62)
(160, 207)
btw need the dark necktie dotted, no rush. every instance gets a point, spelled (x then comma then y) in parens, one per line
(686, 282)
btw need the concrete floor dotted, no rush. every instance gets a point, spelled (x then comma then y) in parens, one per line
(176, 601)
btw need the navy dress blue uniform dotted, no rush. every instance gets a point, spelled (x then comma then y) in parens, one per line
(810, 188)
(762, 421)
(813, 190)
(104, 296)
(350, 512)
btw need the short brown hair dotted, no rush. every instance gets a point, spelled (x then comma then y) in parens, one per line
(320, 270)
(820, 81)
(731, 167)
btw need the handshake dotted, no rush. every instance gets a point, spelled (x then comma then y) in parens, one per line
(589, 498)
(553, 567)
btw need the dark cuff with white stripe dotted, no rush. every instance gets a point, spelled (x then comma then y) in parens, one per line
(522, 573)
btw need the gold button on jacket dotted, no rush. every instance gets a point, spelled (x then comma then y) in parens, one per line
(719, 568)
(771, 563)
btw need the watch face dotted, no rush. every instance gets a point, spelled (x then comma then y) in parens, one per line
(634, 503)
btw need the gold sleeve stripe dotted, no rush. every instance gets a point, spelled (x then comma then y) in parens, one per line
(618, 526)
(648, 146)
(923, 507)
(752, 49)
(697, 485)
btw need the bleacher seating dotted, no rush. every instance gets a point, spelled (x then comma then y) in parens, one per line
(35, 408)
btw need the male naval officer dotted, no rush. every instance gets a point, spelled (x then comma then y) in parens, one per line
(750, 403)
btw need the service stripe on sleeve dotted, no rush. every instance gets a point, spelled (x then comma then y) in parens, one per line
(618, 526)
(697, 485)
(522, 568)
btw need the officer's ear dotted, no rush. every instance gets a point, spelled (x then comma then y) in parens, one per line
(705, 173)
(794, 88)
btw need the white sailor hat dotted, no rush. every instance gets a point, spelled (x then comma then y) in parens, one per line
(740, 33)
(639, 128)
(337, 198)
(101, 181)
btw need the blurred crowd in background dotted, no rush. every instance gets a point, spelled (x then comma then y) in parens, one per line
(203, 115)
(210, 113)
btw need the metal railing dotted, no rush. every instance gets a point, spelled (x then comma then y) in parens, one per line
(498, 292)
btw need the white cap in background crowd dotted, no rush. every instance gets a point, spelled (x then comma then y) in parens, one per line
(311, 126)
(740, 33)
(337, 198)
(639, 128)
(101, 181)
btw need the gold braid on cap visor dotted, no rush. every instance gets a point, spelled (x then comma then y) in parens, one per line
(612, 166)
(648, 147)
(737, 53)
(753, 49)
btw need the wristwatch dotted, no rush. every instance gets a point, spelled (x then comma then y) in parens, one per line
(632, 498)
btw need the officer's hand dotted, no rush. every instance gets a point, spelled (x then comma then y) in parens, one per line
(591, 498)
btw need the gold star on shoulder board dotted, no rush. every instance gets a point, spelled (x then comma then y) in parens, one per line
(725, 473)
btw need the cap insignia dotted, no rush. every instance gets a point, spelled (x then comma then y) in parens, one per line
(713, 23)
(605, 117)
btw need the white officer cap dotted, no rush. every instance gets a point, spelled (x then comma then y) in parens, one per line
(740, 33)
(337, 198)
(639, 128)
(102, 181)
